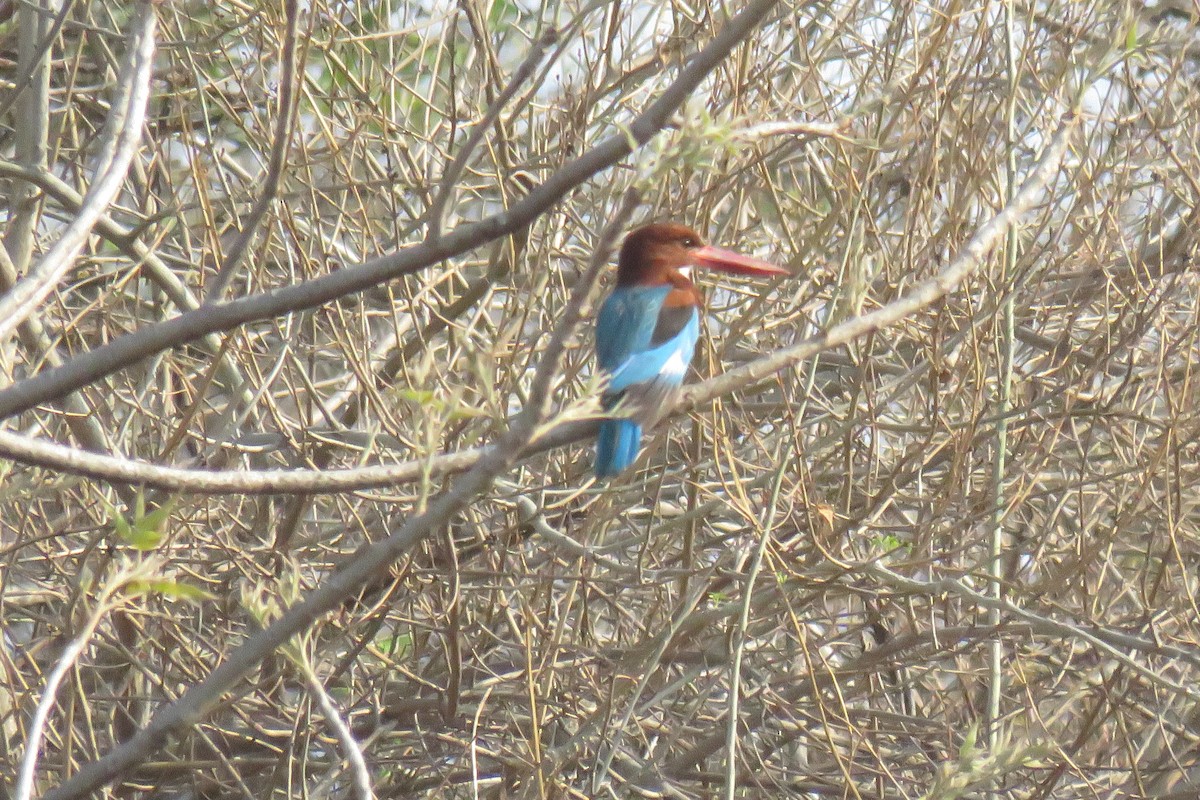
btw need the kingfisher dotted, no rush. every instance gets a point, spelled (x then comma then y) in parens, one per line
(647, 330)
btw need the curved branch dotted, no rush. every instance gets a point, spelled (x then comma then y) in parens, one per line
(300, 481)
(364, 565)
(117, 234)
(30, 451)
(95, 364)
(122, 134)
(284, 127)
(127, 242)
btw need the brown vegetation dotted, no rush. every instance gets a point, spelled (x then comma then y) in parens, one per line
(296, 375)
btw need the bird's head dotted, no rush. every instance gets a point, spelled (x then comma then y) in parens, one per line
(665, 252)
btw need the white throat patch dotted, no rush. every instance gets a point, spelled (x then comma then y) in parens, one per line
(685, 271)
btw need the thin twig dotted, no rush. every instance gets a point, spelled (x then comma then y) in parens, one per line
(1107, 642)
(88, 367)
(1008, 345)
(161, 275)
(822, 130)
(361, 784)
(449, 182)
(122, 135)
(970, 258)
(40, 51)
(280, 143)
(646, 670)
(363, 566)
(37, 725)
(743, 622)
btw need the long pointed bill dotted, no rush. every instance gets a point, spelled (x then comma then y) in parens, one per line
(729, 261)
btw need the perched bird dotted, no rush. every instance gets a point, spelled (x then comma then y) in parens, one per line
(647, 330)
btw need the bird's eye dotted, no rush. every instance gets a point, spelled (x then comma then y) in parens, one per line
(689, 241)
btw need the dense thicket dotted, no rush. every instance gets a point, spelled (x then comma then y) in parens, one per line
(950, 555)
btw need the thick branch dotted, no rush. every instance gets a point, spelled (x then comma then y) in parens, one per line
(95, 364)
(123, 132)
(365, 565)
(968, 261)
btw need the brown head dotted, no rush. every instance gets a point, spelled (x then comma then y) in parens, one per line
(662, 253)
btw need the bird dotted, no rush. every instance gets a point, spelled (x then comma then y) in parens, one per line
(647, 329)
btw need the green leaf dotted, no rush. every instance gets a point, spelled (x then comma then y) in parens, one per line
(139, 537)
(178, 590)
(466, 412)
(966, 752)
(396, 646)
(420, 397)
(146, 531)
(174, 590)
(502, 11)
(122, 526)
(156, 518)
(886, 542)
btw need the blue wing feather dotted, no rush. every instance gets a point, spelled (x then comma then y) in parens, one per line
(640, 368)
(626, 323)
(624, 338)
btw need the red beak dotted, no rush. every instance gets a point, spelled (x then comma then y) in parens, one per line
(729, 261)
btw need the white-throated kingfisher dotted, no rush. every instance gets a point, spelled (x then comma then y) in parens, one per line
(647, 330)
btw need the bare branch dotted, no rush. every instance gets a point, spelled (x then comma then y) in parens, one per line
(95, 364)
(364, 565)
(969, 259)
(982, 504)
(284, 124)
(450, 178)
(123, 132)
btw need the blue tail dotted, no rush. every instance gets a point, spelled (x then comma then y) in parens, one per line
(618, 445)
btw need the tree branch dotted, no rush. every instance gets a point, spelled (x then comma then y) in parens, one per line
(367, 563)
(30, 451)
(123, 132)
(95, 364)
(449, 181)
(279, 148)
